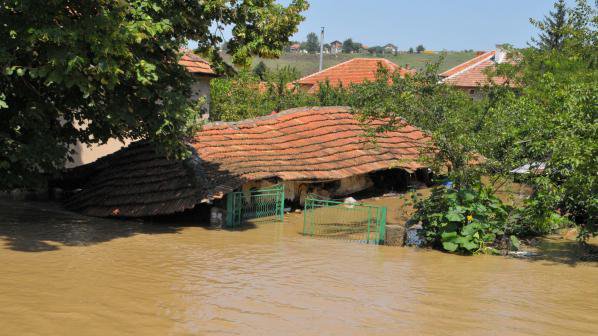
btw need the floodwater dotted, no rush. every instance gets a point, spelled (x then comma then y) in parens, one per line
(64, 274)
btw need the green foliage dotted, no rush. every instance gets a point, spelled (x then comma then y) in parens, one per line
(90, 71)
(238, 98)
(544, 113)
(312, 44)
(446, 113)
(260, 70)
(245, 96)
(378, 50)
(466, 220)
(420, 48)
(558, 123)
(552, 28)
(350, 47)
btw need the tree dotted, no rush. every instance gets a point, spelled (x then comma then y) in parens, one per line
(420, 48)
(348, 46)
(552, 28)
(411, 50)
(89, 71)
(260, 70)
(312, 44)
(560, 128)
(544, 115)
(378, 50)
(247, 96)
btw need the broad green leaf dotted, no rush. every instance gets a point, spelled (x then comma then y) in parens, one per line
(470, 246)
(449, 246)
(448, 235)
(515, 243)
(454, 217)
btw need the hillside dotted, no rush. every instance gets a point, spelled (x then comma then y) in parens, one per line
(308, 64)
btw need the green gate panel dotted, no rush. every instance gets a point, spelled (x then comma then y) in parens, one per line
(334, 219)
(260, 203)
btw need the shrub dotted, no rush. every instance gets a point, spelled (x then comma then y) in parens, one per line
(465, 220)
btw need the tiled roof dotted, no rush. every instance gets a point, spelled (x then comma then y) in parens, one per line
(353, 71)
(324, 143)
(196, 65)
(473, 72)
(304, 144)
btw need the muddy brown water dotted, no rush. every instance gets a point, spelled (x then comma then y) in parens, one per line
(64, 274)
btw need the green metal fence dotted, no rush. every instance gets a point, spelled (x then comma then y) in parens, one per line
(267, 203)
(333, 219)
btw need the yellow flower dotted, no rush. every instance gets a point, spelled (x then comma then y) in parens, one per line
(469, 218)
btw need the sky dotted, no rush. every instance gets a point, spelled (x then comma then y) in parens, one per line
(437, 24)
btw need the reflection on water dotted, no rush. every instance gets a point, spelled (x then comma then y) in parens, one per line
(64, 274)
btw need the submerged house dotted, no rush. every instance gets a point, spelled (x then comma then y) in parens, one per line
(317, 149)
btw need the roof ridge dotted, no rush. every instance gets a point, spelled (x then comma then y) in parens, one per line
(279, 114)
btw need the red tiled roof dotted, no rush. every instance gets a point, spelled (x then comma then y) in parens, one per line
(196, 65)
(304, 144)
(353, 71)
(324, 143)
(479, 58)
(473, 72)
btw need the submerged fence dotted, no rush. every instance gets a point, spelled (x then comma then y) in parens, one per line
(348, 221)
(265, 203)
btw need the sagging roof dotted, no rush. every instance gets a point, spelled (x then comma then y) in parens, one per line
(472, 73)
(312, 144)
(353, 71)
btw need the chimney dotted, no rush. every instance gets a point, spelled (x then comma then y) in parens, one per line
(501, 54)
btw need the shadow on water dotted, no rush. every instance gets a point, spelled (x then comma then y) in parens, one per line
(41, 227)
(553, 250)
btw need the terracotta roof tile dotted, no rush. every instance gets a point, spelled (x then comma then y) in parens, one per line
(299, 144)
(473, 72)
(296, 144)
(196, 65)
(353, 71)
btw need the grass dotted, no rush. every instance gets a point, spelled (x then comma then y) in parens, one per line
(308, 63)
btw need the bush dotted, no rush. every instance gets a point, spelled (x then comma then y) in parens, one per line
(465, 220)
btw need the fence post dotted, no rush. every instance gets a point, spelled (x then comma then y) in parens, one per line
(369, 223)
(281, 202)
(382, 228)
(305, 215)
(229, 209)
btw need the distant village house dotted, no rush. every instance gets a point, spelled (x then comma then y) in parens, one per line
(471, 75)
(336, 47)
(390, 49)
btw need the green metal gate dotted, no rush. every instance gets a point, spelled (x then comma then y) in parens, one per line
(267, 203)
(333, 219)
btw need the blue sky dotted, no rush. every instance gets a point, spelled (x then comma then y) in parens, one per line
(437, 24)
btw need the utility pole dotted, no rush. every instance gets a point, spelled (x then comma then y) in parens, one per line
(321, 48)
